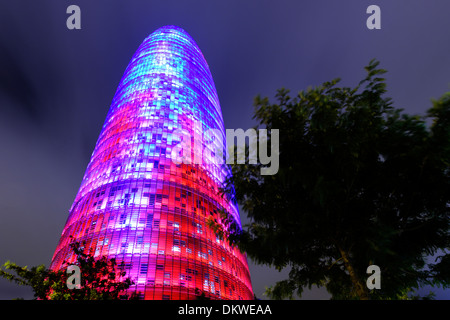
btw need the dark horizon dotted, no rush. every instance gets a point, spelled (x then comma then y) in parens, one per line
(56, 85)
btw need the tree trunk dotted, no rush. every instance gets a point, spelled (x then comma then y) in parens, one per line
(360, 288)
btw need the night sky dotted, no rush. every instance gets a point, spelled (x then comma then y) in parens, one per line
(56, 85)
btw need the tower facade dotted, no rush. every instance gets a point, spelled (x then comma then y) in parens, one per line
(140, 205)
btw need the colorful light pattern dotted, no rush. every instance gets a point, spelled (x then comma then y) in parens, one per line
(138, 206)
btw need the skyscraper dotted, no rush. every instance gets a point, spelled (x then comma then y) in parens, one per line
(137, 204)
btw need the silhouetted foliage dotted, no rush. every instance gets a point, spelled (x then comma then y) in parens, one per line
(200, 295)
(360, 183)
(101, 279)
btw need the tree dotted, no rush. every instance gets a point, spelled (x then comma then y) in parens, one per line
(101, 279)
(360, 183)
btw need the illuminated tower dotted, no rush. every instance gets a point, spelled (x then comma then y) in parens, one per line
(139, 206)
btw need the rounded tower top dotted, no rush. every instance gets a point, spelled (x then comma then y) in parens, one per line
(172, 54)
(166, 87)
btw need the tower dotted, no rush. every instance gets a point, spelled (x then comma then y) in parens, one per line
(136, 203)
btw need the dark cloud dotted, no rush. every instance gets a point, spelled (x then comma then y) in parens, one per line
(15, 84)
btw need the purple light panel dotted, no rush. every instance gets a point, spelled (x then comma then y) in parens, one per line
(137, 205)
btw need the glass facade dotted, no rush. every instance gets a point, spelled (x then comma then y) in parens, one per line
(139, 206)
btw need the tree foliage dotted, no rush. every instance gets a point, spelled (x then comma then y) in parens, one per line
(360, 183)
(101, 279)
